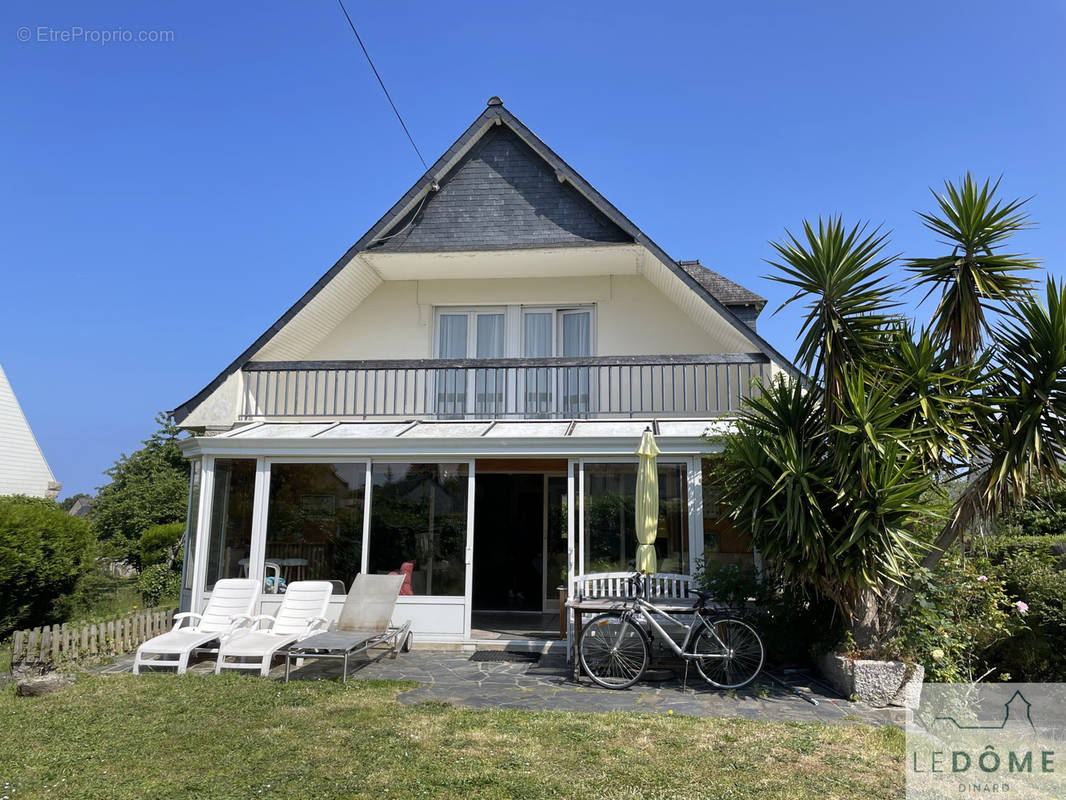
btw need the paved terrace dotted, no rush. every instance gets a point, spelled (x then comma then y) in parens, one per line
(450, 676)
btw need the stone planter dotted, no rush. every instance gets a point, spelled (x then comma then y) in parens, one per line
(878, 683)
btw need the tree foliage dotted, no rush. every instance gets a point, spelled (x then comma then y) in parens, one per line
(43, 552)
(148, 487)
(833, 477)
(840, 273)
(973, 277)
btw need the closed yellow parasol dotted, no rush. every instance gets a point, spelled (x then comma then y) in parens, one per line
(647, 505)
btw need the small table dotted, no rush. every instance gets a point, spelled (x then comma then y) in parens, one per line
(597, 605)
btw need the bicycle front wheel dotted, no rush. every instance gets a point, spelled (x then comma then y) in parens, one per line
(730, 653)
(613, 651)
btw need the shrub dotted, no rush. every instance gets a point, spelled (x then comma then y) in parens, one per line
(1037, 653)
(1001, 548)
(159, 583)
(43, 552)
(959, 613)
(794, 627)
(160, 542)
(1043, 513)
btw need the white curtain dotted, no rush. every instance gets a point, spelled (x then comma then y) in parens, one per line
(538, 335)
(489, 383)
(490, 335)
(452, 336)
(537, 343)
(577, 333)
(451, 384)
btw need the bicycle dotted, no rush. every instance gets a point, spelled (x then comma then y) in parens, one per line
(615, 650)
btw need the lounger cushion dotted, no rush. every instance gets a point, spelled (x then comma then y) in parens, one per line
(177, 641)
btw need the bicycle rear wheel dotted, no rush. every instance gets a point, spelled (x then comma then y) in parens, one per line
(730, 652)
(613, 651)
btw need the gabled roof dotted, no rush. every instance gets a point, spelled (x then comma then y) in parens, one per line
(23, 468)
(419, 198)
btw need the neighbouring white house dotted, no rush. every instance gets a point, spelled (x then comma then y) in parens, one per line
(23, 468)
(460, 398)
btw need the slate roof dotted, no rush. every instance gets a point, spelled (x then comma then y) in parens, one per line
(495, 115)
(727, 292)
(501, 196)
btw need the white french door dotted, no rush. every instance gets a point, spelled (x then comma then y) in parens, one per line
(557, 332)
(470, 334)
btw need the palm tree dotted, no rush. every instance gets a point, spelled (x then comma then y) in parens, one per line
(842, 273)
(1021, 440)
(973, 277)
(832, 479)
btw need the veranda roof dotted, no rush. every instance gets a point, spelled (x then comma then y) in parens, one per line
(464, 437)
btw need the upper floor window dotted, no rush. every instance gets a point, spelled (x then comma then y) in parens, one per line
(514, 331)
(471, 334)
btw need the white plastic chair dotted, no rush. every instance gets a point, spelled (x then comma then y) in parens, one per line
(232, 599)
(302, 613)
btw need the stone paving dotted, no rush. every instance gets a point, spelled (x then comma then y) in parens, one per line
(451, 677)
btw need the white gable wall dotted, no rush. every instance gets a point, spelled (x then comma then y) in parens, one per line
(23, 469)
(632, 317)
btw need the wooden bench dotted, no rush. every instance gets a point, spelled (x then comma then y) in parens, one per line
(663, 585)
(598, 591)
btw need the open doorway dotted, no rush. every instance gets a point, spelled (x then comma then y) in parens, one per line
(508, 543)
(519, 540)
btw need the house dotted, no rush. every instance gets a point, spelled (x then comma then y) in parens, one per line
(461, 397)
(23, 468)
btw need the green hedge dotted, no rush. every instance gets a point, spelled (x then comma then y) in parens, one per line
(1000, 548)
(43, 552)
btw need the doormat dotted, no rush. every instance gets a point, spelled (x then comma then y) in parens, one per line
(505, 655)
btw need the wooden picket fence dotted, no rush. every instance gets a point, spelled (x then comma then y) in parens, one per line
(56, 644)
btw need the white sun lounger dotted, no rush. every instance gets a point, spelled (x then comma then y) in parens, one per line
(365, 622)
(230, 599)
(302, 613)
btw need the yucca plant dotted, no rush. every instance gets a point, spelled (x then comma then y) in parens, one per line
(973, 277)
(1022, 431)
(841, 275)
(830, 506)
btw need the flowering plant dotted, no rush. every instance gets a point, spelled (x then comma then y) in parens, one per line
(959, 613)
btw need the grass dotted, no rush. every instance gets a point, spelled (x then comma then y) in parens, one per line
(233, 736)
(122, 600)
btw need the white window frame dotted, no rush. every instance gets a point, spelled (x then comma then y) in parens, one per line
(513, 347)
(558, 313)
(514, 325)
(472, 313)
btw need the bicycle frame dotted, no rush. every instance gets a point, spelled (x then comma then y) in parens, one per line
(645, 609)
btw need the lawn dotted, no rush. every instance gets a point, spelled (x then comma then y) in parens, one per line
(233, 736)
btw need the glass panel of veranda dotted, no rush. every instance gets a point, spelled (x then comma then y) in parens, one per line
(610, 540)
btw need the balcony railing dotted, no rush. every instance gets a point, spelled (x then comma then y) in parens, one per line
(503, 388)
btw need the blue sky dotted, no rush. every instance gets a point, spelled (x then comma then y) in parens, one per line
(161, 204)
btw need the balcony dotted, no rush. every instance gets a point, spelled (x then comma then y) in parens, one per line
(503, 388)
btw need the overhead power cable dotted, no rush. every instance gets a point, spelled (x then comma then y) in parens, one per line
(370, 61)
